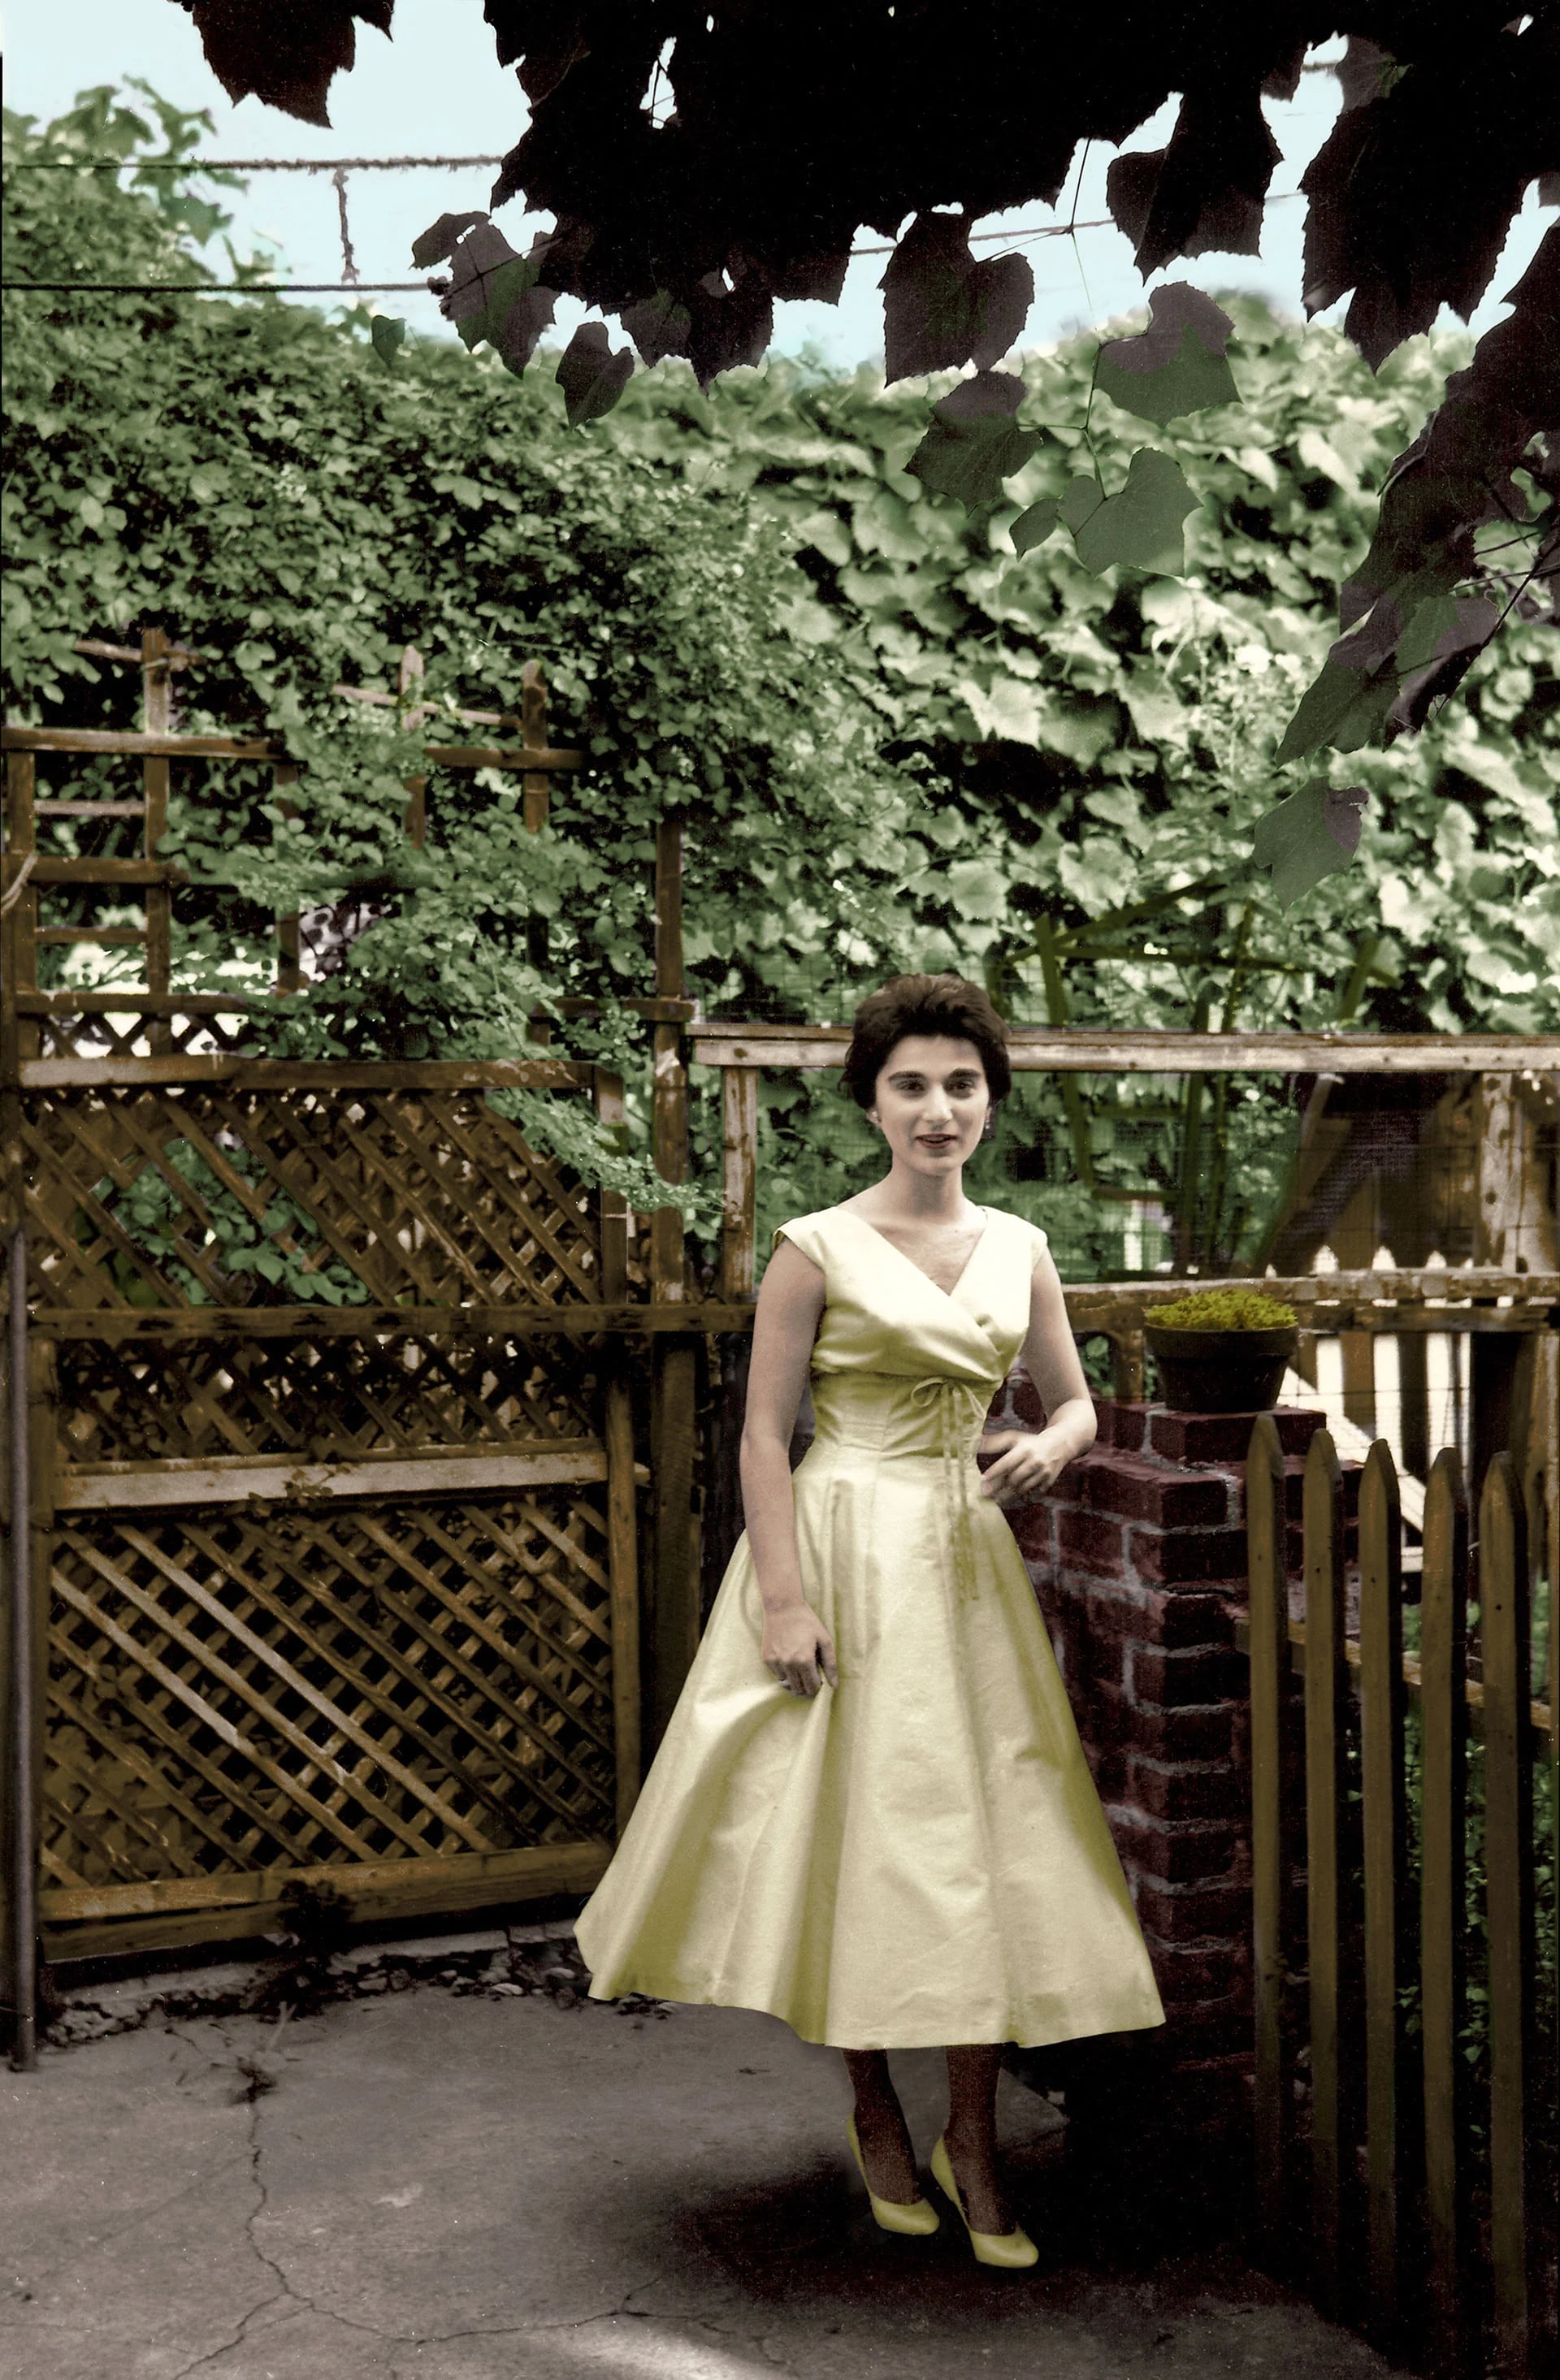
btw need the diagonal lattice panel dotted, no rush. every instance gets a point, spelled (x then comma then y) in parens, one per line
(296, 1687)
(322, 1398)
(400, 1196)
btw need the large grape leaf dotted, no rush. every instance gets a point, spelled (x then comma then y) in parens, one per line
(1177, 365)
(942, 308)
(1312, 834)
(1144, 525)
(286, 57)
(1207, 188)
(974, 444)
(493, 293)
(591, 377)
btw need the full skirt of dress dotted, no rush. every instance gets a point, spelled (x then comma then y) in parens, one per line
(914, 1857)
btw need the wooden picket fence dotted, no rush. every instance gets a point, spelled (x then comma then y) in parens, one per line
(1415, 2203)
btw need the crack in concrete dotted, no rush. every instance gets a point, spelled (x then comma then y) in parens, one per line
(306, 2304)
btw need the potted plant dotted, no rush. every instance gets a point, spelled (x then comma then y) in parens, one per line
(1221, 1350)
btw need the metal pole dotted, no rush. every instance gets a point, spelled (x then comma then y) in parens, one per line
(24, 1881)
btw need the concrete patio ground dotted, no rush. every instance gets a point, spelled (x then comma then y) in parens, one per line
(426, 2186)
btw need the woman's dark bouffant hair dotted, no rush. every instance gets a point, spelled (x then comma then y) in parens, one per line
(924, 1004)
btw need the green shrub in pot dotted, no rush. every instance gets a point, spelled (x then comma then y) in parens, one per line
(1222, 1349)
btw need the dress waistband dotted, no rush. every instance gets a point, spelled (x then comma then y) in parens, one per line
(936, 1416)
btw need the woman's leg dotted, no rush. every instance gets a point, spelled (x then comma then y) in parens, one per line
(970, 2134)
(886, 2150)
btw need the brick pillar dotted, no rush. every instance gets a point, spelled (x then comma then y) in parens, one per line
(1137, 1555)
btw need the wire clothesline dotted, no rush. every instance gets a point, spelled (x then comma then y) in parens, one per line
(403, 288)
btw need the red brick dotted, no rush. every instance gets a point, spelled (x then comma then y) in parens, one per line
(1165, 1734)
(1169, 1680)
(1200, 1438)
(1177, 1556)
(1296, 1427)
(1193, 1912)
(1121, 1425)
(1030, 1525)
(1090, 1541)
(1108, 1768)
(1141, 1490)
(1193, 1974)
(1189, 1615)
(1177, 1851)
(1024, 1401)
(1177, 1788)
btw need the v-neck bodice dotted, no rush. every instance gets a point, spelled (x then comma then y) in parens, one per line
(898, 1251)
(883, 1314)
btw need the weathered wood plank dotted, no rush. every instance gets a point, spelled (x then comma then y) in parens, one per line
(1326, 1691)
(1508, 1865)
(675, 1627)
(612, 1207)
(417, 1886)
(110, 871)
(1383, 1707)
(1077, 1050)
(669, 1118)
(234, 1479)
(138, 746)
(291, 1074)
(502, 755)
(157, 696)
(623, 1563)
(1442, 1909)
(739, 1107)
(1272, 1848)
(115, 1323)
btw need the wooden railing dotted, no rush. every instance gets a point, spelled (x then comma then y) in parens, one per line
(1422, 2208)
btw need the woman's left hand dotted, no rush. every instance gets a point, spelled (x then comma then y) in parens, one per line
(1027, 1462)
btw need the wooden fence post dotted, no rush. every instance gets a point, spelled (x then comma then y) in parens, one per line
(1505, 1643)
(1326, 1801)
(676, 1620)
(739, 1102)
(1443, 1907)
(1382, 1708)
(157, 680)
(622, 1507)
(1271, 1834)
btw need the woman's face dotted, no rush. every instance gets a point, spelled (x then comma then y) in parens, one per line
(931, 1102)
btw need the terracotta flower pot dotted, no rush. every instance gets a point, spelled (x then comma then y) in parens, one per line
(1221, 1371)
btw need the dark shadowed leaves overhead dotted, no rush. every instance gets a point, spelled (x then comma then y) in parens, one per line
(940, 308)
(702, 162)
(1412, 192)
(286, 53)
(1178, 364)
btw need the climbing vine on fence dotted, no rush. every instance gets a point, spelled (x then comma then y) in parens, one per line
(897, 740)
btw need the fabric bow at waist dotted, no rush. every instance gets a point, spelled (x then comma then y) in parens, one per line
(954, 1404)
(936, 1416)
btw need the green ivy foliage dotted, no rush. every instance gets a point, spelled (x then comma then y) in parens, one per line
(897, 740)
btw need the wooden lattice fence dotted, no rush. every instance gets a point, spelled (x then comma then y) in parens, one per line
(340, 1591)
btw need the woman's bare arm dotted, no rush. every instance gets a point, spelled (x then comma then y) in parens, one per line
(785, 1322)
(1029, 1460)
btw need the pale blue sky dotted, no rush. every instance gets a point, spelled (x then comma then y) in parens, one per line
(436, 90)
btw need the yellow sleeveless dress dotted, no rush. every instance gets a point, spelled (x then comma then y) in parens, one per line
(917, 1855)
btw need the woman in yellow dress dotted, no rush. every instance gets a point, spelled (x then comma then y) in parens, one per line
(870, 1814)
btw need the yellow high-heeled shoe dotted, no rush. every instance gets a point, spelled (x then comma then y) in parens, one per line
(915, 2214)
(1009, 2248)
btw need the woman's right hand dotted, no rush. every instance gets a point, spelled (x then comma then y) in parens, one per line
(797, 1645)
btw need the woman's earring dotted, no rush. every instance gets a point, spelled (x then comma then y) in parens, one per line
(988, 1130)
